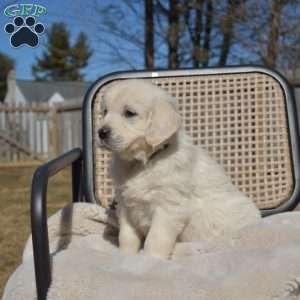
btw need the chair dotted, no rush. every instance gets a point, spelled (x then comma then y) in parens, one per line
(244, 116)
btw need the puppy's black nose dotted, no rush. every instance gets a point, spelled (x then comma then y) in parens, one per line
(104, 132)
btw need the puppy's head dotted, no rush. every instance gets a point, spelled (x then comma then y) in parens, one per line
(138, 118)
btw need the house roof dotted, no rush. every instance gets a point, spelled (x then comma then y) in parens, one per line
(41, 91)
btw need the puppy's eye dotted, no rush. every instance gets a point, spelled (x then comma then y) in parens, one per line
(129, 113)
(104, 112)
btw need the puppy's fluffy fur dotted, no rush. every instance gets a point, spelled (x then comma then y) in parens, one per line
(167, 189)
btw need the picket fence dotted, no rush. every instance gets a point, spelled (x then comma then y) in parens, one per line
(39, 131)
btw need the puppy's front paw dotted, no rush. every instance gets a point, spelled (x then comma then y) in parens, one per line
(162, 236)
(130, 249)
(129, 240)
(158, 245)
(158, 254)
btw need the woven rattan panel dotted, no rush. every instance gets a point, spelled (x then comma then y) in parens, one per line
(240, 119)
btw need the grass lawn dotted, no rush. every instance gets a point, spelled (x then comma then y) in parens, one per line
(15, 185)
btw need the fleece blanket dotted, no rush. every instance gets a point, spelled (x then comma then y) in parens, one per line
(261, 261)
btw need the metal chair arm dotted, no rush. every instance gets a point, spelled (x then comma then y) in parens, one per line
(39, 226)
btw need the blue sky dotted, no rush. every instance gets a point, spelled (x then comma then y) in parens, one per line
(87, 16)
(78, 16)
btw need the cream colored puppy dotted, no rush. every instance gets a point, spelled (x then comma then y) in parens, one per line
(167, 189)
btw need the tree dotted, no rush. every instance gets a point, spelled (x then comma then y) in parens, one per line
(173, 34)
(196, 36)
(228, 29)
(149, 35)
(122, 29)
(80, 54)
(172, 11)
(274, 39)
(6, 64)
(198, 33)
(61, 61)
(207, 31)
(276, 11)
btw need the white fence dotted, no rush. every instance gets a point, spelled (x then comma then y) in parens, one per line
(38, 131)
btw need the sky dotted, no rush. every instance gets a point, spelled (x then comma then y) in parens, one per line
(88, 16)
(78, 16)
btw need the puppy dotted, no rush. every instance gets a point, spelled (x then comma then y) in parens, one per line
(167, 189)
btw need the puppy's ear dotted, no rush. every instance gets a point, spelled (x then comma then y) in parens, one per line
(164, 121)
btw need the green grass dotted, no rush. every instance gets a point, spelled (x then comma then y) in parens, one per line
(15, 186)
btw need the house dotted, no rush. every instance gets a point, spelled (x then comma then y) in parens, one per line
(27, 91)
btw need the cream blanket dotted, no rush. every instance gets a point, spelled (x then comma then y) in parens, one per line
(261, 261)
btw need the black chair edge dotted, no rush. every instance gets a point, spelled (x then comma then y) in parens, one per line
(39, 226)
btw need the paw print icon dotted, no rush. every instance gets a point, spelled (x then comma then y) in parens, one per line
(24, 32)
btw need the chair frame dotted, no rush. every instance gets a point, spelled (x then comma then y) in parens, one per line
(88, 155)
(84, 185)
(39, 225)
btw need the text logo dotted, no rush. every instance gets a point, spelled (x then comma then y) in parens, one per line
(24, 28)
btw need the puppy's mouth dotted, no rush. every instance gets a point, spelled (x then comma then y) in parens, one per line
(103, 144)
(109, 144)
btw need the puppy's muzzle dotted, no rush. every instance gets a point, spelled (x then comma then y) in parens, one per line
(104, 133)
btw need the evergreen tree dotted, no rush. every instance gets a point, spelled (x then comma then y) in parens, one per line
(80, 54)
(61, 61)
(6, 64)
